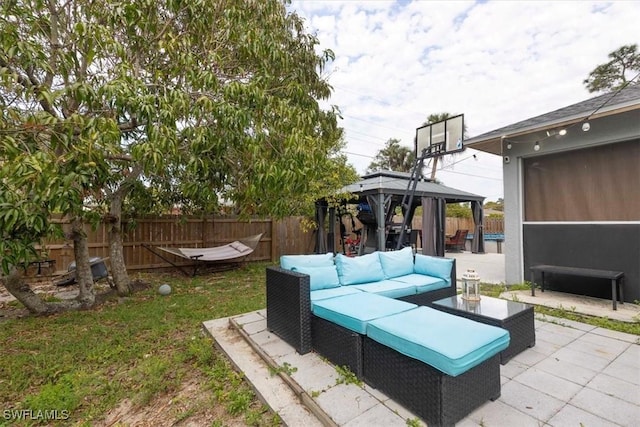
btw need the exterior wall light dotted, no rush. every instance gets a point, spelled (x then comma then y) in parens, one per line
(536, 147)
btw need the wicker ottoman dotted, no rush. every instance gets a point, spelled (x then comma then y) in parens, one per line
(338, 325)
(403, 357)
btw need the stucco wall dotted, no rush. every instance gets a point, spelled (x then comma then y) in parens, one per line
(621, 127)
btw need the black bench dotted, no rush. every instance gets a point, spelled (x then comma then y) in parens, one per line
(616, 277)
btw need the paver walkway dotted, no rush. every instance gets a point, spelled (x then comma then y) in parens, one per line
(576, 374)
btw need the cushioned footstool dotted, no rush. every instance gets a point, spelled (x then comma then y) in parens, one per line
(438, 365)
(338, 325)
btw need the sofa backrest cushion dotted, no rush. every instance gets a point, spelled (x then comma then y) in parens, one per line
(397, 263)
(320, 277)
(288, 262)
(360, 269)
(433, 266)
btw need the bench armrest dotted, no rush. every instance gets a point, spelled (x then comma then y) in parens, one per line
(289, 307)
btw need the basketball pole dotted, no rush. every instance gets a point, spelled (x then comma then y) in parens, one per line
(433, 151)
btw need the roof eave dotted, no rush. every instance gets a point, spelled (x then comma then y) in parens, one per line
(493, 143)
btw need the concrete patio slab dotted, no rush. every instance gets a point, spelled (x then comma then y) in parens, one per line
(489, 266)
(576, 374)
(572, 416)
(608, 407)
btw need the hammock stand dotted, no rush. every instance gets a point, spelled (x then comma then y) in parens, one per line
(234, 252)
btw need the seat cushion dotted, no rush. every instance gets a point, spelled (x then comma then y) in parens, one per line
(320, 277)
(360, 269)
(449, 343)
(356, 310)
(332, 293)
(433, 266)
(422, 282)
(288, 262)
(388, 288)
(396, 263)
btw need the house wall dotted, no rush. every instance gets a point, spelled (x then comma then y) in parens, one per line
(613, 247)
(527, 238)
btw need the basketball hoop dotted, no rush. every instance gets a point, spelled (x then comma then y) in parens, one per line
(440, 138)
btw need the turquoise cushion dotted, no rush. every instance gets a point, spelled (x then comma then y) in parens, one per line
(356, 310)
(320, 277)
(451, 344)
(288, 262)
(360, 269)
(422, 283)
(397, 263)
(433, 266)
(387, 288)
(332, 293)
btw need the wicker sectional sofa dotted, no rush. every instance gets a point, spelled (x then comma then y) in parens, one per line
(302, 279)
(371, 314)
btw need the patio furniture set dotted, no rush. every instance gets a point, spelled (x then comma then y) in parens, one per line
(393, 318)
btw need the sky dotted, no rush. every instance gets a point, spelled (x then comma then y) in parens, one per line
(496, 62)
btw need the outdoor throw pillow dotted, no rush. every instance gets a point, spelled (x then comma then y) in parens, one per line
(433, 266)
(361, 269)
(397, 263)
(320, 277)
(288, 262)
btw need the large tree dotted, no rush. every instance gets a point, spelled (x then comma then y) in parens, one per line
(624, 65)
(208, 100)
(393, 157)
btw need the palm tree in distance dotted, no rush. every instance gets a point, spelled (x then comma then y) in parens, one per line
(393, 157)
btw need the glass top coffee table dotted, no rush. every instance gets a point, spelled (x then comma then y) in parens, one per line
(515, 317)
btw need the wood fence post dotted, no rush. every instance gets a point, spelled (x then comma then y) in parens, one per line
(274, 240)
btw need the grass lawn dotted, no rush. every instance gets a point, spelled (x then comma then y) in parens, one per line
(145, 359)
(137, 360)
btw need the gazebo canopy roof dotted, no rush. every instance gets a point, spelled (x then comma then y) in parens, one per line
(395, 183)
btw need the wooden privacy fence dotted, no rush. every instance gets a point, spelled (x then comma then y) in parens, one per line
(491, 225)
(278, 237)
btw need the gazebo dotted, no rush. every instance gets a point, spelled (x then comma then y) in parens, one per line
(379, 194)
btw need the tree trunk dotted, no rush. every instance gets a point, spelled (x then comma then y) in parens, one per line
(433, 168)
(116, 252)
(17, 287)
(86, 296)
(15, 284)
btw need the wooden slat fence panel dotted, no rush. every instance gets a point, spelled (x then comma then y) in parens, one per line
(282, 237)
(279, 237)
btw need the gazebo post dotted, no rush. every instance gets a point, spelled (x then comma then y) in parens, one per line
(380, 220)
(321, 243)
(331, 236)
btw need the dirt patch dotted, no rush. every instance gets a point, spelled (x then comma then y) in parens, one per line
(191, 405)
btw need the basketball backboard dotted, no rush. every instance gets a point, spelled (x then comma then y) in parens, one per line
(440, 138)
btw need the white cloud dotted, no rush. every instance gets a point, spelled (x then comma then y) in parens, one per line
(498, 62)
